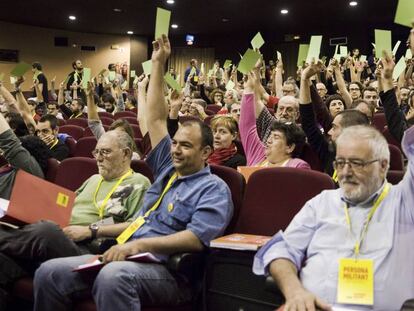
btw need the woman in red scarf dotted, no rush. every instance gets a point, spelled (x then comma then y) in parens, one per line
(225, 153)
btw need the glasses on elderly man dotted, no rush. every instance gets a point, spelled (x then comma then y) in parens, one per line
(102, 152)
(355, 164)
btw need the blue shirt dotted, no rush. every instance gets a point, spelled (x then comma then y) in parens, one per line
(201, 202)
(319, 236)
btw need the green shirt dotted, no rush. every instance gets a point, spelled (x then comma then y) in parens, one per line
(123, 204)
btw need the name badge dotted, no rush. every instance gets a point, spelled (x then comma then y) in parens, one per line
(356, 281)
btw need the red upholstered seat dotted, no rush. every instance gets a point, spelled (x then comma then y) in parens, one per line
(136, 130)
(71, 143)
(394, 177)
(105, 114)
(273, 197)
(106, 121)
(52, 167)
(140, 166)
(84, 147)
(213, 108)
(73, 130)
(78, 121)
(72, 172)
(396, 158)
(123, 114)
(379, 121)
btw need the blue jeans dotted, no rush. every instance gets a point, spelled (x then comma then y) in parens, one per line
(120, 285)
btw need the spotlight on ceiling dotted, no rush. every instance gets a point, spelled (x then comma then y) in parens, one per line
(175, 26)
(130, 32)
(353, 3)
(284, 11)
(72, 17)
(170, 1)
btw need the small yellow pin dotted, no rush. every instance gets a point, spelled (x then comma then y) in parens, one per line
(170, 207)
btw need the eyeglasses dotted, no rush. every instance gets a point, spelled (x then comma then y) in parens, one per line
(354, 89)
(355, 164)
(102, 152)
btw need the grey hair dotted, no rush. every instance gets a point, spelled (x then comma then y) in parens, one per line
(290, 99)
(123, 140)
(375, 140)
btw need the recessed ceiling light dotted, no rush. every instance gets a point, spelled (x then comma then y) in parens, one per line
(296, 37)
(118, 10)
(72, 17)
(225, 20)
(174, 26)
(170, 1)
(284, 11)
(353, 3)
(130, 32)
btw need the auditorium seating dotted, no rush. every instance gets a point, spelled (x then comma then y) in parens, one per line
(82, 122)
(106, 121)
(379, 121)
(213, 108)
(105, 114)
(396, 158)
(72, 172)
(140, 166)
(123, 114)
(131, 120)
(85, 146)
(72, 130)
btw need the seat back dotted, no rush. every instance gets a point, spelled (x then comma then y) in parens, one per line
(379, 121)
(85, 146)
(105, 114)
(123, 114)
(136, 130)
(131, 120)
(52, 167)
(237, 184)
(140, 166)
(394, 177)
(396, 158)
(106, 121)
(73, 130)
(72, 172)
(82, 122)
(213, 108)
(273, 197)
(71, 143)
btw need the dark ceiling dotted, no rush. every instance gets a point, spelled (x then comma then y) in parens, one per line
(203, 17)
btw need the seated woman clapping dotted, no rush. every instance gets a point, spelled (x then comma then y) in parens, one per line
(225, 132)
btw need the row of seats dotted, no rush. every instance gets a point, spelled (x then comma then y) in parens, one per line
(78, 132)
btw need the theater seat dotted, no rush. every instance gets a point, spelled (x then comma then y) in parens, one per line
(394, 177)
(85, 146)
(71, 143)
(213, 108)
(105, 114)
(379, 121)
(106, 121)
(72, 172)
(72, 130)
(123, 114)
(396, 158)
(82, 122)
(140, 166)
(52, 167)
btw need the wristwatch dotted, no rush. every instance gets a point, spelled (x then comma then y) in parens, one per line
(94, 230)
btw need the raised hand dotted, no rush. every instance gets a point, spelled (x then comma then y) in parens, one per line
(387, 64)
(313, 68)
(161, 49)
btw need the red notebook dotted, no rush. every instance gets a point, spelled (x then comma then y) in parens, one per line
(240, 241)
(95, 264)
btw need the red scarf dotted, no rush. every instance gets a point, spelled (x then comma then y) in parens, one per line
(219, 156)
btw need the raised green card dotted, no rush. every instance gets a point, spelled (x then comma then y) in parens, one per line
(408, 54)
(230, 85)
(343, 51)
(86, 77)
(303, 52)
(314, 48)
(133, 74)
(257, 41)
(20, 69)
(111, 76)
(162, 23)
(362, 58)
(248, 61)
(396, 46)
(399, 68)
(168, 78)
(405, 13)
(227, 64)
(382, 42)
(147, 66)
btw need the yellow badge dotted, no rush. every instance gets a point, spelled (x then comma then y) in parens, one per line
(130, 230)
(62, 199)
(170, 207)
(356, 281)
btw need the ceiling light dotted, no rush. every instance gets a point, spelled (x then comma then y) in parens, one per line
(284, 11)
(118, 10)
(130, 32)
(296, 37)
(353, 3)
(72, 17)
(225, 20)
(175, 26)
(170, 1)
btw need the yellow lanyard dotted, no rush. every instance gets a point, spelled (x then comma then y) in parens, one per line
(54, 144)
(74, 117)
(378, 201)
(101, 208)
(335, 176)
(137, 223)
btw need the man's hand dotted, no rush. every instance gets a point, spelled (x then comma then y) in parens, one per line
(176, 100)
(143, 82)
(121, 251)
(312, 69)
(77, 233)
(388, 65)
(48, 139)
(303, 300)
(161, 49)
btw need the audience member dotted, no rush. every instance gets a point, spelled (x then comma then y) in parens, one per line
(47, 129)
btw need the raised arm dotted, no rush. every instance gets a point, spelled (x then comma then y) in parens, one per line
(340, 82)
(157, 111)
(142, 104)
(61, 101)
(90, 102)
(10, 101)
(278, 83)
(24, 109)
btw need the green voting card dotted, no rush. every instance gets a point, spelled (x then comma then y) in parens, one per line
(314, 48)
(248, 61)
(257, 41)
(162, 23)
(303, 51)
(408, 54)
(382, 42)
(133, 74)
(405, 13)
(396, 46)
(168, 78)
(227, 64)
(399, 68)
(230, 85)
(111, 76)
(279, 55)
(20, 69)
(362, 58)
(86, 77)
(147, 66)
(343, 51)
